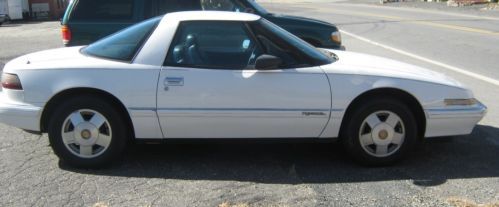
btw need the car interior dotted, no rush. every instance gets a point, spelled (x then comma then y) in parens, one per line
(204, 46)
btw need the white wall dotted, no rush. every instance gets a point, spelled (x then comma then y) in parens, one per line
(4, 8)
(15, 9)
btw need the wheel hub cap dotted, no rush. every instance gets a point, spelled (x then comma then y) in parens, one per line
(86, 134)
(382, 134)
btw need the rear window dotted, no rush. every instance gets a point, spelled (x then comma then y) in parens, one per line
(99, 10)
(123, 45)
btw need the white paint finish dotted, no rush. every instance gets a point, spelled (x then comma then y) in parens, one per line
(362, 73)
(243, 103)
(211, 15)
(155, 49)
(229, 103)
(451, 126)
(434, 62)
(364, 64)
(145, 124)
(19, 114)
(53, 71)
(333, 127)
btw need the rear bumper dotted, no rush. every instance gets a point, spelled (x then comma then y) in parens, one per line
(456, 121)
(19, 115)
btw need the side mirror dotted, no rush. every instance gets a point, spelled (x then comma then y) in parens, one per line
(267, 62)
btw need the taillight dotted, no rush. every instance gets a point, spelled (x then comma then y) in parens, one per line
(11, 81)
(66, 34)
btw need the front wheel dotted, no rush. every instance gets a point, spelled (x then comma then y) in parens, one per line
(87, 132)
(380, 132)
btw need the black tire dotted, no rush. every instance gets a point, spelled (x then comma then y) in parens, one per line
(351, 133)
(119, 138)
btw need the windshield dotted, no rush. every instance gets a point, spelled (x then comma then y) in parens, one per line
(316, 56)
(124, 44)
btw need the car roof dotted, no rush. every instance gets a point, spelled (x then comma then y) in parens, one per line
(212, 15)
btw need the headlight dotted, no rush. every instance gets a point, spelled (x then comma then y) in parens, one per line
(336, 37)
(460, 102)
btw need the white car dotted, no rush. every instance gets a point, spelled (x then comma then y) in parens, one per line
(226, 75)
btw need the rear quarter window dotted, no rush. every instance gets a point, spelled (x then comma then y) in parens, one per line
(123, 45)
(103, 9)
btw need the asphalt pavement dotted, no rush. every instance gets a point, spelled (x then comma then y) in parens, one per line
(442, 172)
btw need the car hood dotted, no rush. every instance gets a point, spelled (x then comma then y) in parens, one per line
(363, 64)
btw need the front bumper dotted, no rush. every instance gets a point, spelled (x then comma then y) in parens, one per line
(453, 121)
(19, 115)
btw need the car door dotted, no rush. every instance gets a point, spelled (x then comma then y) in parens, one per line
(209, 88)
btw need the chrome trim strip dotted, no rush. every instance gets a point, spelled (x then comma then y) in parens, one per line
(476, 108)
(239, 109)
(233, 109)
(142, 108)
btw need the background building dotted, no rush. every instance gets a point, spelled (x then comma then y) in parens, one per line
(34, 9)
(52, 9)
(14, 8)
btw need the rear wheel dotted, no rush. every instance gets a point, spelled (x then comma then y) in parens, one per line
(380, 132)
(87, 131)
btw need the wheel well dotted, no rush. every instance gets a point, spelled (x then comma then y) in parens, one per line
(58, 98)
(398, 94)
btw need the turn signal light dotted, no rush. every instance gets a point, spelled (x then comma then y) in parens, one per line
(460, 102)
(11, 81)
(336, 37)
(66, 34)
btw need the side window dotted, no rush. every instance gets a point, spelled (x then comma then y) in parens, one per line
(212, 44)
(272, 44)
(125, 44)
(167, 6)
(99, 10)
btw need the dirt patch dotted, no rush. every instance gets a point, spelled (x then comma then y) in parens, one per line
(227, 204)
(460, 202)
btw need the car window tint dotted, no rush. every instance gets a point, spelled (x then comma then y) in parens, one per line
(123, 45)
(222, 5)
(149, 9)
(166, 6)
(99, 10)
(293, 51)
(277, 47)
(212, 44)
